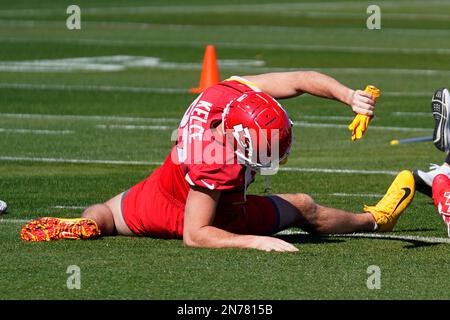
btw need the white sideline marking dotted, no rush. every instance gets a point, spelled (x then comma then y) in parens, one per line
(375, 236)
(407, 94)
(312, 117)
(225, 63)
(149, 163)
(380, 71)
(351, 235)
(31, 86)
(83, 117)
(236, 45)
(7, 220)
(332, 125)
(82, 161)
(415, 114)
(175, 120)
(28, 23)
(70, 207)
(222, 8)
(113, 63)
(68, 87)
(119, 63)
(134, 127)
(329, 170)
(191, 27)
(369, 195)
(31, 131)
(332, 48)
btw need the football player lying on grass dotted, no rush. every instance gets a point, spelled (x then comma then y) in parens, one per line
(200, 195)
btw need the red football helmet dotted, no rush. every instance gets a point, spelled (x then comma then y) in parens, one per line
(261, 129)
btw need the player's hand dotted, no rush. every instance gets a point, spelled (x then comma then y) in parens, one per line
(272, 244)
(362, 102)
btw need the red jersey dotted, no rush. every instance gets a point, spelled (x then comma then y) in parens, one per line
(200, 158)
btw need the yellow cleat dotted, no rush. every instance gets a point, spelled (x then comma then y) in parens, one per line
(49, 228)
(397, 198)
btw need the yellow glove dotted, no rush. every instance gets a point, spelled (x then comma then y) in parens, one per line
(359, 125)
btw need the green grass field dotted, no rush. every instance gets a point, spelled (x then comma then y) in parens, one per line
(56, 120)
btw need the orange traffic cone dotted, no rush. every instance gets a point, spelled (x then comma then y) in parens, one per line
(210, 71)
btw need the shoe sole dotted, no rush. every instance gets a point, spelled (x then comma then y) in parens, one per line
(42, 229)
(48, 229)
(440, 107)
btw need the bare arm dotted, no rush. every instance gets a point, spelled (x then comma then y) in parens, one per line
(198, 230)
(291, 84)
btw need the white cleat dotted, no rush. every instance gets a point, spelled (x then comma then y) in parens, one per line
(435, 169)
(3, 206)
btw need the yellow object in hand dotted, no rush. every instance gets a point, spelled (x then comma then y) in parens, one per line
(359, 125)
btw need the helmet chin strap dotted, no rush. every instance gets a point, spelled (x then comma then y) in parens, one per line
(256, 167)
(267, 185)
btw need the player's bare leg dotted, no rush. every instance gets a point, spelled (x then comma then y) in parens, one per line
(98, 220)
(300, 210)
(108, 217)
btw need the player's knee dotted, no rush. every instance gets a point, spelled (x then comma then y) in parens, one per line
(95, 211)
(307, 210)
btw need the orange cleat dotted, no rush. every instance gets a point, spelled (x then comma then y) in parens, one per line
(49, 228)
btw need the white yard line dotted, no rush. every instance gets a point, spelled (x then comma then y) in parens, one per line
(81, 161)
(328, 48)
(63, 87)
(236, 45)
(134, 127)
(224, 8)
(408, 94)
(382, 128)
(296, 124)
(334, 170)
(150, 163)
(313, 117)
(177, 120)
(174, 120)
(113, 63)
(8, 220)
(368, 195)
(413, 114)
(123, 62)
(60, 117)
(30, 23)
(376, 236)
(109, 88)
(32, 131)
(70, 207)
